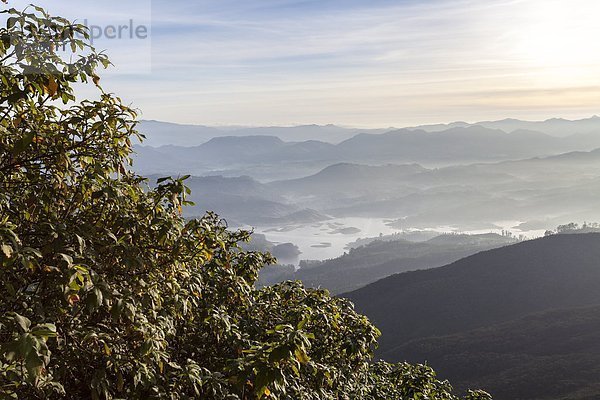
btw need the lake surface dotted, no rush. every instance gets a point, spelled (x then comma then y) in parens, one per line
(329, 239)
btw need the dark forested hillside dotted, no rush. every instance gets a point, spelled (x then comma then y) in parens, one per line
(452, 316)
(549, 355)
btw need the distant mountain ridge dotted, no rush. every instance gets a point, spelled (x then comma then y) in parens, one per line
(555, 126)
(430, 197)
(160, 133)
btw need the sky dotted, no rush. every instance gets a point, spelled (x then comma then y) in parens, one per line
(362, 63)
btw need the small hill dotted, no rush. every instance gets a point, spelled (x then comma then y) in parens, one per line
(160, 133)
(236, 149)
(242, 143)
(380, 259)
(350, 179)
(244, 201)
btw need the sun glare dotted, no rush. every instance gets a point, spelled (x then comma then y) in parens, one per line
(562, 34)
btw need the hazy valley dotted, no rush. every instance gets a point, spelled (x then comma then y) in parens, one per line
(308, 193)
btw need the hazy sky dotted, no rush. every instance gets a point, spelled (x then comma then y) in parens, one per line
(352, 62)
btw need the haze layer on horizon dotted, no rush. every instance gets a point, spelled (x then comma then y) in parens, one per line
(355, 62)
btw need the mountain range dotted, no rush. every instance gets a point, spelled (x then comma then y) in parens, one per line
(160, 133)
(514, 316)
(271, 158)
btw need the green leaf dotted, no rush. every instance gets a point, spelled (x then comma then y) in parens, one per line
(34, 364)
(97, 297)
(301, 356)
(67, 258)
(22, 143)
(303, 323)
(23, 322)
(7, 250)
(33, 251)
(11, 22)
(44, 330)
(279, 353)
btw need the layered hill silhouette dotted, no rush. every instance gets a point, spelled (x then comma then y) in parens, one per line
(546, 190)
(272, 156)
(159, 133)
(244, 201)
(514, 318)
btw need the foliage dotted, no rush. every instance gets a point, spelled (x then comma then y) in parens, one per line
(107, 292)
(574, 228)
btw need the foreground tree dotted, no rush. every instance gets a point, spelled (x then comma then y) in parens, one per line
(106, 291)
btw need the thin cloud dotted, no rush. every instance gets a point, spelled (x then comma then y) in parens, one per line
(376, 63)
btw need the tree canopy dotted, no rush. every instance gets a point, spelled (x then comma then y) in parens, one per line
(107, 292)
